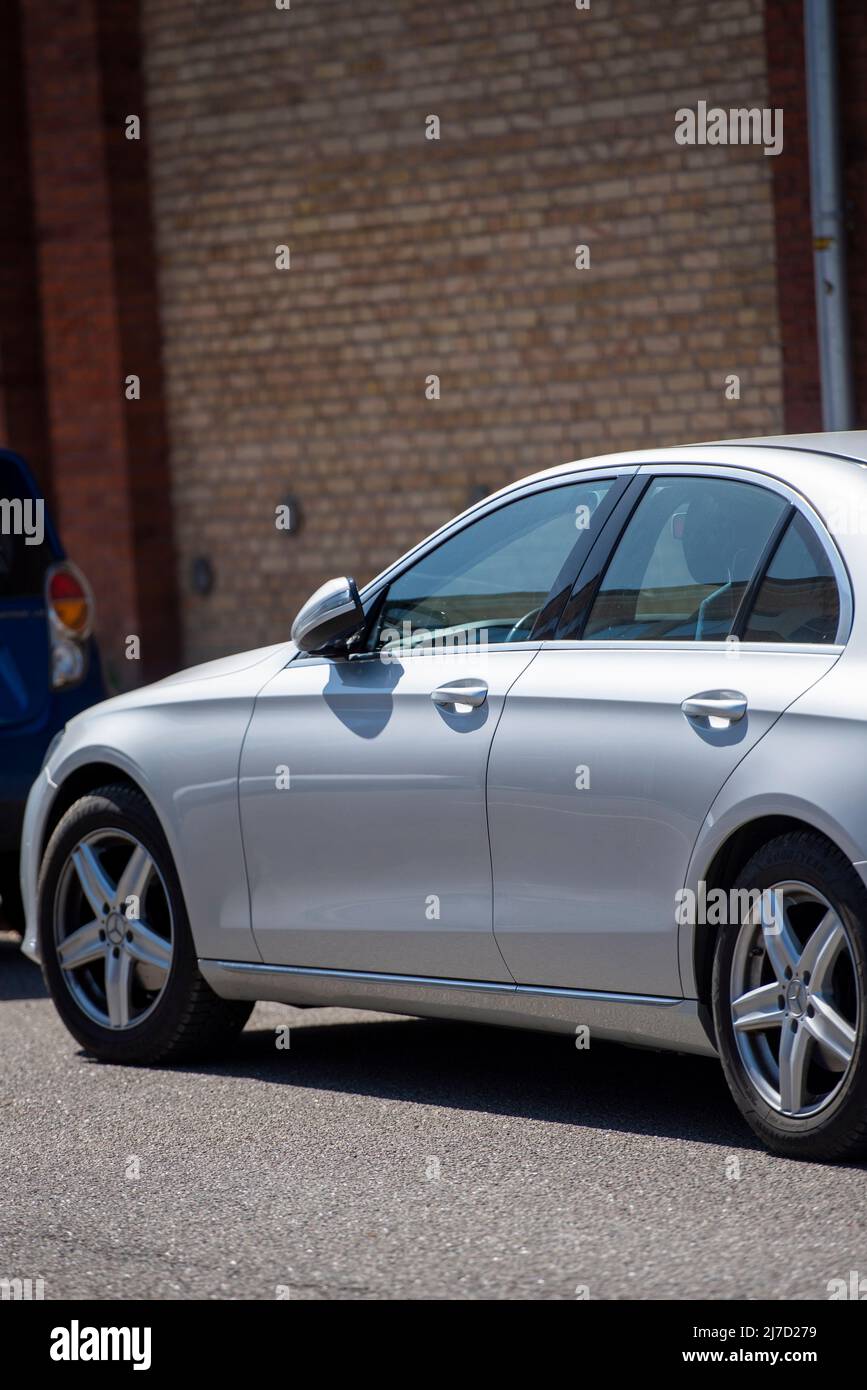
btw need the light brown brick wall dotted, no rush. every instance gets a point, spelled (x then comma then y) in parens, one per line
(409, 257)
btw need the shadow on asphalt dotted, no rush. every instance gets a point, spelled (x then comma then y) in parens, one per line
(501, 1071)
(19, 977)
(460, 1066)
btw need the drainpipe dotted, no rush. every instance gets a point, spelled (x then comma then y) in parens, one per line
(826, 199)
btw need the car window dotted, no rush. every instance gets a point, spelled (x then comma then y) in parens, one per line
(798, 600)
(25, 552)
(684, 561)
(488, 582)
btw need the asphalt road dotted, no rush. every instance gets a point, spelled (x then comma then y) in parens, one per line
(382, 1158)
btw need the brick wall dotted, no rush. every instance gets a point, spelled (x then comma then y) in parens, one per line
(98, 316)
(411, 257)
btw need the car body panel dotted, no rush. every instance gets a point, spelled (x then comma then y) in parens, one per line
(373, 854)
(179, 741)
(794, 773)
(586, 876)
(643, 1021)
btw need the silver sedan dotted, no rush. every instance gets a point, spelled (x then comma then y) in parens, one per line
(591, 758)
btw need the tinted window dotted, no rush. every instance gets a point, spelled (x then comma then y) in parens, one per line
(24, 550)
(488, 582)
(798, 599)
(684, 561)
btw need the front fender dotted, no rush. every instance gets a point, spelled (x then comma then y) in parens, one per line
(180, 742)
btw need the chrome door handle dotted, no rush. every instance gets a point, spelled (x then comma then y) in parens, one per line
(726, 705)
(461, 696)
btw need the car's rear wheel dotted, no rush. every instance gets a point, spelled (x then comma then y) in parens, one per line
(790, 999)
(115, 940)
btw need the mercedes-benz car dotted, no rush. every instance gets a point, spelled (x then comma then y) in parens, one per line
(591, 758)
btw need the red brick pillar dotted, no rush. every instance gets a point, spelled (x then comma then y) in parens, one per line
(100, 321)
(787, 88)
(23, 421)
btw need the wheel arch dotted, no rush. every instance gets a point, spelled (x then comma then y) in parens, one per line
(80, 781)
(722, 871)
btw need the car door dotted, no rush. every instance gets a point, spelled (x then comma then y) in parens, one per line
(362, 777)
(615, 741)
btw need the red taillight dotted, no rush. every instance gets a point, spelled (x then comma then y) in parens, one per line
(69, 601)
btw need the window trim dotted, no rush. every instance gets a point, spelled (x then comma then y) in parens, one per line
(645, 474)
(765, 560)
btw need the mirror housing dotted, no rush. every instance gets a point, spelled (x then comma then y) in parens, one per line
(329, 618)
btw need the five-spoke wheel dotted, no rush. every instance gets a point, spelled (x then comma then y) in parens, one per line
(116, 944)
(789, 984)
(113, 928)
(794, 999)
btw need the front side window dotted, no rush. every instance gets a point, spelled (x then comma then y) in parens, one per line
(488, 583)
(683, 563)
(798, 599)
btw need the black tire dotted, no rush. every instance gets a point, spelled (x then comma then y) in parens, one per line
(189, 1019)
(838, 1130)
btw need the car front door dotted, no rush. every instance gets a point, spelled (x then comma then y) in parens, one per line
(362, 778)
(615, 741)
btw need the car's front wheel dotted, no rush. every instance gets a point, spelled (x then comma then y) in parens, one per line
(116, 945)
(790, 998)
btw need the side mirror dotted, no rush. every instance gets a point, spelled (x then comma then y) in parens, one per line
(329, 618)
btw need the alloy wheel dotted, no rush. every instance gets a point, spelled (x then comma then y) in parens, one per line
(113, 928)
(795, 1004)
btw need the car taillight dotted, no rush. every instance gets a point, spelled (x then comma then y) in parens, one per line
(70, 621)
(69, 601)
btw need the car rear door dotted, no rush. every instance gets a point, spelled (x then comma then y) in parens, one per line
(615, 741)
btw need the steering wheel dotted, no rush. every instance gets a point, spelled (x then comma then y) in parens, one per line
(526, 622)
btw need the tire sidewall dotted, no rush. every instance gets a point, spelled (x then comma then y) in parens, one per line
(825, 870)
(115, 809)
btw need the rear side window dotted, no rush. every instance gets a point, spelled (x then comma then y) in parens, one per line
(798, 600)
(683, 564)
(25, 552)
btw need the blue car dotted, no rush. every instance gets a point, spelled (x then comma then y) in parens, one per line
(49, 663)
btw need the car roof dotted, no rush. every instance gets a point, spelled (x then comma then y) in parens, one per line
(844, 444)
(848, 445)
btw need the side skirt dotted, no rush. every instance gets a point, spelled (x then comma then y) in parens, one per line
(679, 1025)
